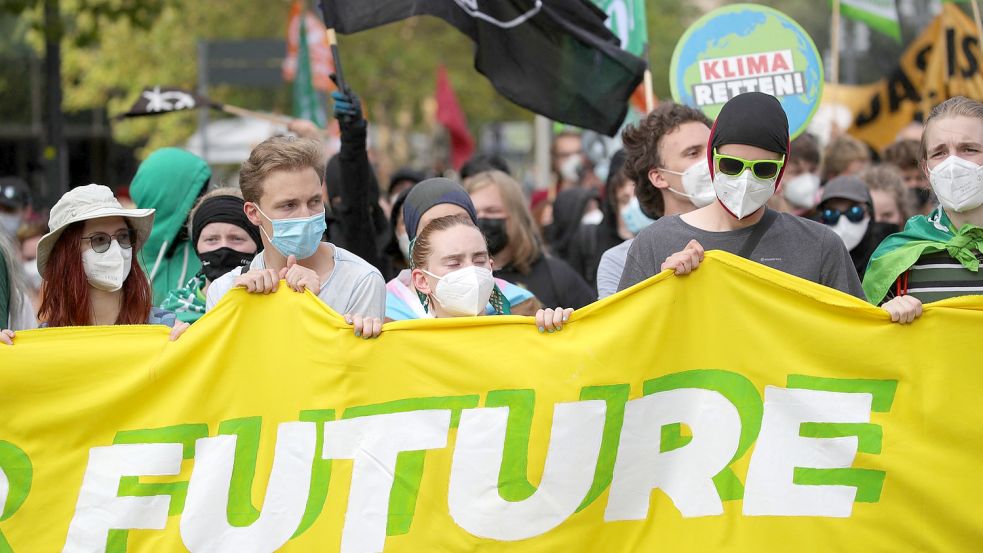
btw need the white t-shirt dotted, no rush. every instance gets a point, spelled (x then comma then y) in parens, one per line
(353, 286)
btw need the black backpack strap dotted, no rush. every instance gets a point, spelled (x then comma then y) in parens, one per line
(760, 229)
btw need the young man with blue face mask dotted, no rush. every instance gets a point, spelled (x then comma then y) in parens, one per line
(748, 145)
(281, 183)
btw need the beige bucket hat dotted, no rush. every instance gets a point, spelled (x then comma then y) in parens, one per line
(84, 203)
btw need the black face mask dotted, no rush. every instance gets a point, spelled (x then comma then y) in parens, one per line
(921, 196)
(216, 263)
(495, 234)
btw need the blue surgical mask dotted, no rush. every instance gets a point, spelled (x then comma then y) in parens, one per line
(297, 237)
(635, 219)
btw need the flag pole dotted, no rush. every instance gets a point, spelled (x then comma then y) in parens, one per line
(979, 22)
(649, 93)
(243, 112)
(834, 40)
(336, 57)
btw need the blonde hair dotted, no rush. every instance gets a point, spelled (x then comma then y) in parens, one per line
(840, 153)
(524, 239)
(953, 107)
(279, 153)
(224, 191)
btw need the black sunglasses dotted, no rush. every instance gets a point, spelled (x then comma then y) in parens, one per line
(100, 241)
(831, 216)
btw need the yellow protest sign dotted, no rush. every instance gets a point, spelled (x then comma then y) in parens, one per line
(736, 408)
(944, 61)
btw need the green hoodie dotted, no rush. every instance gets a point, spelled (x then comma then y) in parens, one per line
(170, 181)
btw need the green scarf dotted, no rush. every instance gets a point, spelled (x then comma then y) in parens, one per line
(922, 235)
(187, 303)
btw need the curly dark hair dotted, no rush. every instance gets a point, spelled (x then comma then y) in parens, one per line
(641, 144)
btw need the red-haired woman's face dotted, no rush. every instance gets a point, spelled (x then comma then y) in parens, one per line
(106, 225)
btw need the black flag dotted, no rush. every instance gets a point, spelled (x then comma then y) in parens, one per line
(554, 57)
(159, 100)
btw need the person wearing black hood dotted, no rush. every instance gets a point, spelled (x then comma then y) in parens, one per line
(572, 209)
(355, 220)
(591, 241)
(749, 143)
(848, 209)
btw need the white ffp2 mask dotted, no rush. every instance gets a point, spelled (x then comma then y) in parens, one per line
(107, 270)
(464, 292)
(851, 233)
(743, 194)
(696, 183)
(800, 191)
(958, 183)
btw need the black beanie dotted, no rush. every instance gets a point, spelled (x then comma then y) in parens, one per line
(753, 119)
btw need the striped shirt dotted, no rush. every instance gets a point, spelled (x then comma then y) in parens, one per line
(938, 276)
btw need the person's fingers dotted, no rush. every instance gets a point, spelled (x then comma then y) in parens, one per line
(540, 320)
(291, 261)
(348, 318)
(567, 313)
(376, 328)
(558, 319)
(250, 284)
(913, 308)
(274, 280)
(178, 330)
(266, 282)
(892, 308)
(7, 337)
(685, 265)
(697, 247)
(548, 320)
(358, 323)
(283, 272)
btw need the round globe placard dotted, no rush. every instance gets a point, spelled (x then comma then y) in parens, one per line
(745, 48)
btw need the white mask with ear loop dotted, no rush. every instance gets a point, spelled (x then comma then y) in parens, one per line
(464, 292)
(958, 183)
(696, 183)
(743, 194)
(107, 270)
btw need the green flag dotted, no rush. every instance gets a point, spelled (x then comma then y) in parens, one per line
(880, 15)
(626, 19)
(307, 102)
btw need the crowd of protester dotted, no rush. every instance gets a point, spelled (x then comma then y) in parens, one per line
(896, 228)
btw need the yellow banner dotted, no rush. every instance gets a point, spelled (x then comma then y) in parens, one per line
(736, 408)
(944, 61)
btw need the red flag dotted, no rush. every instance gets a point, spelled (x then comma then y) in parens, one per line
(452, 118)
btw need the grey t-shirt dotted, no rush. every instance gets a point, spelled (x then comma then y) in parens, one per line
(354, 286)
(794, 245)
(610, 269)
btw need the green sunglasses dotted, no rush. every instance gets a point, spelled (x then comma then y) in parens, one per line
(761, 168)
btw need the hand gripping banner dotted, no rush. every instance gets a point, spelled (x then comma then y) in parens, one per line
(736, 408)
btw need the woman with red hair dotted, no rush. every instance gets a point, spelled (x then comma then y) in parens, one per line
(90, 270)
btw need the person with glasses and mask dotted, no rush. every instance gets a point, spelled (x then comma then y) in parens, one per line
(92, 275)
(223, 239)
(281, 186)
(452, 274)
(748, 146)
(938, 256)
(847, 208)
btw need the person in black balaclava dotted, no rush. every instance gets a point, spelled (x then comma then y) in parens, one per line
(224, 240)
(748, 146)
